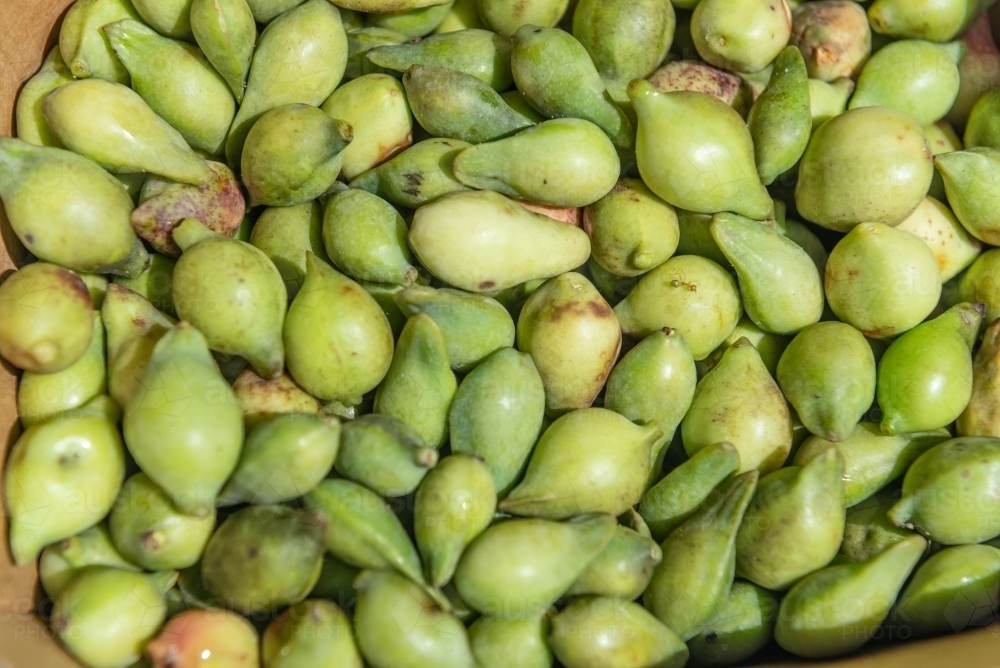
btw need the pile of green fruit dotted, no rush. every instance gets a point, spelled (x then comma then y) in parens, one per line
(485, 333)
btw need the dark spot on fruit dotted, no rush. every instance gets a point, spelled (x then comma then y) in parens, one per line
(600, 309)
(252, 552)
(486, 285)
(29, 239)
(711, 637)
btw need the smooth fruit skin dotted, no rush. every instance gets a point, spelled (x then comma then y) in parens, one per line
(29, 120)
(741, 36)
(498, 642)
(934, 21)
(869, 532)
(417, 176)
(953, 247)
(61, 562)
(84, 49)
(623, 569)
(967, 177)
(310, 633)
(481, 53)
(506, 16)
(210, 638)
(742, 626)
(626, 40)
(780, 120)
(834, 37)
(226, 32)
(384, 454)
(285, 234)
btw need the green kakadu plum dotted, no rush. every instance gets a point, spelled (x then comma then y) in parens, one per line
(133, 326)
(497, 415)
(82, 43)
(800, 233)
(149, 531)
(507, 16)
(265, 11)
(739, 402)
(612, 633)
(413, 22)
(696, 237)
(623, 569)
(700, 77)
(61, 562)
(177, 82)
(856, 169)
(915, 77)
(261, 399)
(833, 36)
(631, 229)
(449, 103)
(979, 285)
(963, 577)
(366, 238)
(383, 295)
(285, 234)
(574, 338)
(517, 568)
(454, 504)
(419, 385)
(699, 559)
(384, 454)
(827, 373)
(29, 119)
(481, 241)
(982, 416)
(942, 138)
(934, 21)
(170, 18)
(419, 175)
(121, 132)
(838, 609)
(946, 492)
(376, 107)
(670, 502)
(86, 226)
(712, 143)
(362, 40)
(155, 283)
(742, 625)
(565, 162)
(399, 626)
(827, 100)
(481, 53)
(226, 33)
(967, 177)
(953, 247)
(228, 639)
(882, 281)
(498, 642)
(106, 615)
(310, 633)
(338, 343)
(769, 346)
(300, 58)
(182, 424)
(925, 377)
(795, 524)
(463, 14)
(474, 326)
(982, 128)
(588, 461)
(779, 284)
(687, 293)
(780, 120)
(55, 464)
(741, 36)
(868, 531)
(264, 557)
(626, 40)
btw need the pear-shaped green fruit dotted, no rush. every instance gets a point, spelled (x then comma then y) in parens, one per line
(417, 176)
(384, 454)
(182, 424)
(595, 445)
(84, 46)
(978, 284)
(739, 402)
(770, 346)
(399, 626)
(945, 492)
(700, 77)
(282, 459)
(827, 373)
(310, 633)
(566, 162)
(362, 40)
(497, 414)
(481, 53)
(265, 11)
(982, 416)
(462, 14)
(937, 226)
(29, 118)
(67, 210)
(696, 152)
(261, 399)
(631, 229)
(227, 639)
(741, 36)
(871, 459)
(882, 281)
(795, 523)
(925, 98)
(696, 237)
(263, 557)
(934, 21)
(50, 465)
(506, 16)
(623, 569)
(113, 126)
(168, 17)
(498, 642)
(573, 337)
(868, 531)
(454, 504)
(827, 100)
(612, 633)
(687, 293)
(682, 491)
(942, 138)
(338, 344)
(212, 283)
(285, 234)
(781, 120)
(834, 191)
(483, 242)
(833, 36)
(954, 589)
(105, 616)
(377, 110)
(516, 569)
(838, 609)
(413, 22)
(300, 58)
(149, 531)
(226, 32)
(419, 385)
(981, 130)
(699, 559)
(925, 377)
(626, 40)
(61, 562)
(177, 82)
(742, 625)
(968, 177)
(366, 238)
